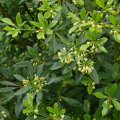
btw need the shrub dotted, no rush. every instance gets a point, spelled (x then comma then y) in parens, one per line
(59, 59)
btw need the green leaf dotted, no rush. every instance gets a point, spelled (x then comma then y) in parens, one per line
(81, 2)
(30, 99)
(63, 24)
(19, 77)
(102, 48)
(112, 19)
(90, 88)
(107, 90)
(18, 19)
(61, 112)
(94, 76)
(82, 13)
(69, 67)
(94, 33)
(66, 42)
(52, 24)
(31, 51)
(79, 77)
(8, 28)
(45, 3)
(7, 89)
(41, 8)
(86, 106)
(85, 80)
(85, 46)
(72, 29)
(41, 19)
(73, 16)
(87, 117)
(98, 113)
(22, 91)
(39, 96)
(56, 107)
(8, 83)
(39, 69)
(8, 21)
(15, 33)
(47, 14)
(35, 24)
(117, 37)
(26, 103)
(40, 35)
(26, 111)
(20, 64)
(113, 90)
(90, 5)
(57, 65)
(102, 40)
(50, 109)
(99, 95)
(94, 16)
(88, 35)
(98, 16)
(116, 104)
(104, 111)
(72, 102)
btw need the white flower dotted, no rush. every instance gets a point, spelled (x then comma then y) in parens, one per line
(3, 112)
(36, 110)
(62, 116)
(35, 116)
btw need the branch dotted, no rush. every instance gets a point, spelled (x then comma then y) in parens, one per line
(28, 11)
(6, 13)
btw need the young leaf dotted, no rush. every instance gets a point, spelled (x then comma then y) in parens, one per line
(73, 16)
(113, 90)
(40, 35)
(104, 111)
(82, 13)
(26, 103)
(107, 90)
(87, 117)
(88, 35)
(45, 3)
(112, 19)
(18, 20)
(117, 37)
(116, 104)
(90, 88)
(94, 33)
(41, 19)
(102, 40)
(52, 24)
(15, 33)
(99, 95)
(81, 2)
(102, 48)
(85, 46)
(30, 99)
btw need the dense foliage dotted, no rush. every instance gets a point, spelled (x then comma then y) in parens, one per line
(59, 59)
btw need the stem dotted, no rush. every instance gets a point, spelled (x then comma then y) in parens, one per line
(43, 116)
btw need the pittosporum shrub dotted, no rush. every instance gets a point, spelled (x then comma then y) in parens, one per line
(59, 59)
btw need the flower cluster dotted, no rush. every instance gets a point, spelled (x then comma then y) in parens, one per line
(3, 114)
(85, 66)
(37, 83)
(53, 13)
(64, 56)
(75, 54)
